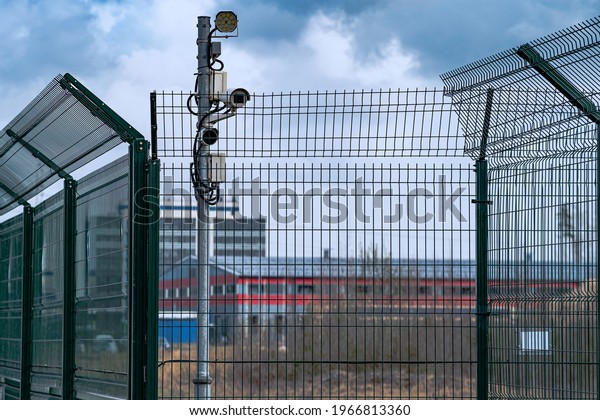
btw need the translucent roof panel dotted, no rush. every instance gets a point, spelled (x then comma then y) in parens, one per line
(65, 127)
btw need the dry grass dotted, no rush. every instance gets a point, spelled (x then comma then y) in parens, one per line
(568, 369)
(338, 356)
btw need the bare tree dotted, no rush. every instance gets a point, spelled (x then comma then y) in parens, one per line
(568, 229)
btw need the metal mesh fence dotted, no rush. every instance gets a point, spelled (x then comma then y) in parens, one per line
(78, 270)
(531, 113)
(102, 292)
(48, 296)
(11, 261)
(341, 252)
(543, 287)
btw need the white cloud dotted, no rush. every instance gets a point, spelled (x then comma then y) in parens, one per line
(326, 55)
(164, 57)
(107, 15)
(144, 45)
(336, 54)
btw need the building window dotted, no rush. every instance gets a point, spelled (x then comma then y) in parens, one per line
(305, 289)
(255, 289)
(276, 289)
(362, 290)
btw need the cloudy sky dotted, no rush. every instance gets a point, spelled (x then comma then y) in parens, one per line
(124, 49)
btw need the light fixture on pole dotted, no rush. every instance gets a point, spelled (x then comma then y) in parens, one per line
(226, 21)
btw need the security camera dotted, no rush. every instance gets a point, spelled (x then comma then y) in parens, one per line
(235, 98)
(210, 136)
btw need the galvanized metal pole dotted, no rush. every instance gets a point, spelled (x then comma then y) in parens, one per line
(202, 380)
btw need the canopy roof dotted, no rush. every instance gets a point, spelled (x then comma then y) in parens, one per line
(65, 127)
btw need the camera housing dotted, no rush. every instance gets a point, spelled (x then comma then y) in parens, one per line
(234, 98)
(210, 136)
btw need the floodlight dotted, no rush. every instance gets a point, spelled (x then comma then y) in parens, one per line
(226, 21)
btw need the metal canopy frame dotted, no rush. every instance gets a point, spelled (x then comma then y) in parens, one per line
(545, 90)
(62, 129)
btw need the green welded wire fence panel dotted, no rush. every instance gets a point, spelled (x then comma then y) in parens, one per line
(11, 260)
(543, 220)
(543, 287)
(47, 308)
(341, 253)
(101, 298)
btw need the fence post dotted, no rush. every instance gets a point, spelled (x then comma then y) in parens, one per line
(481, 219)
(153, 274)
(70, 232)
(138, 270)
(597, 261)
(26, 302)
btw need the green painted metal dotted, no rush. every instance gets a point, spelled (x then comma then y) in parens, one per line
(55, 357)
(26, 302)
(560, 82)
(70, 231)
(138, 271)
(45, 160)
(482, 308)
(98, 108)
(153, 126)
(597, 260)
(13, 194)
(152, 199)
(585, 105)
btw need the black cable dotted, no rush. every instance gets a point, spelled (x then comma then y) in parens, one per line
(216, 60)
(209, 192)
